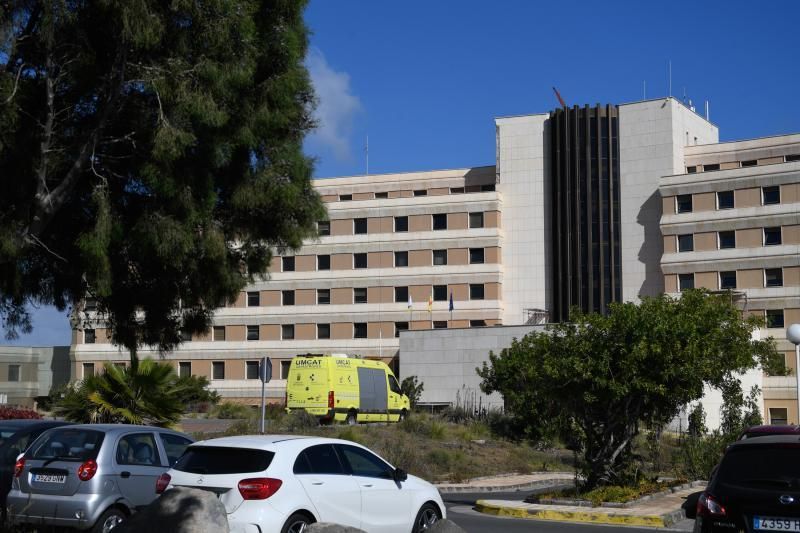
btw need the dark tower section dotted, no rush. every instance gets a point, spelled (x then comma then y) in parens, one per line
(585, 209)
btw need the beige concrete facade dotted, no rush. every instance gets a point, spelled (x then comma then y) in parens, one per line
(766, 276)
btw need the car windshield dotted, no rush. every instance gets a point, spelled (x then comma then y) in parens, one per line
(765, 466)
(67, 445)
(223, 460)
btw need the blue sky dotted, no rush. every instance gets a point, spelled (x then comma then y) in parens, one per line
(424, 79)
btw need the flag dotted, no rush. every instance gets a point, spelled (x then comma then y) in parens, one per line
(430, 303)
(451, 301)
(410, 302)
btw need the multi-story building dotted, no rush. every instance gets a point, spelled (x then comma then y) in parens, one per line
(731, 221)
(569, 215)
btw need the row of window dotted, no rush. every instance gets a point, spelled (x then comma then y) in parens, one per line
(359, 330)
(772, 236)
(424, 192)
(740, 164)
(477, 256)
(477, 291)
(726, 199)
(438, 223)
(773, 277)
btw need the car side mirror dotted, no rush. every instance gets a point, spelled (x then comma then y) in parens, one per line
(400, 475)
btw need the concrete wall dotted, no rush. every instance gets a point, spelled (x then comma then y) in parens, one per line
(444, 360)
(652, 138)
(522, 165)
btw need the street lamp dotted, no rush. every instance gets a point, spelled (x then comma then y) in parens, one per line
(793, 336)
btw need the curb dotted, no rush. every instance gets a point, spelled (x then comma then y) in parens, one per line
(542, 484)
(592, 517)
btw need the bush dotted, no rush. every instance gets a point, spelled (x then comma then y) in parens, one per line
(351, 434)
(301, 420)
(12, 413)
(230, 410)
(423, 425)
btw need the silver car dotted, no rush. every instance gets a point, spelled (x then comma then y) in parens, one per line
(91, 476)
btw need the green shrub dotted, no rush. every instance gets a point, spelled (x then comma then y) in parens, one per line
(350, 433)
(230, 410)
(241, 427)
(300, 421)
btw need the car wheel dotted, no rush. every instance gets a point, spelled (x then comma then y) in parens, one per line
(351, 419)
(426, 517)
(109, 520)
(297, 523)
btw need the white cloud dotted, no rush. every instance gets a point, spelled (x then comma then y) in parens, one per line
(337, 106)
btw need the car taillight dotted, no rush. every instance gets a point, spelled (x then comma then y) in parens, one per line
(19, 467)
(87, 470)
(259, 488)
(330, 400)
(707, 504)
(163, 482)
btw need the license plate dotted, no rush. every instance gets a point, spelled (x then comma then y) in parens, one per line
(771, 523)
(49, 478)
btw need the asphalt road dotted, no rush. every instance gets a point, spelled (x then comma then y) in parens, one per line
(460, 510)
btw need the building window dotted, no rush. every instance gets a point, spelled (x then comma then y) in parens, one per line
(727, 279)
(439, 257)
(253, 299)
(778, 416)
(219, 333)
(683, 203)
(90, 304)
(792, 157)
(287, 332)
(323, 331)
(323, 262)
(360, 330)
(476, 220)
(13, 372)
(725, 200)
(440, 221)
(287, 297)
(89, 336)
(323, 296)
(400, 326)
(400, 224)
(401, 294)
(251, 370)
(359, 226)
(421, 192)
(727, 239)
(709, 168)
(288, 264)
(772, 236)
(477, 323)
(775, 318)
(218, 370)
(185, 336)
(488, 187)
(456, 190)
(360, 295)
(685, 281)
(401, 259)
(440, 293)
(184, 369)
(440, 324)
(359, 260)
(773, 277)
(476, 291)
(252, 333)
(88, 370)
(285, 366)
(771, 195)
(686, 242)
(691, 170)
(381, 195)
(476, 256)
(750, 163)
(324, 228)
(345, 197)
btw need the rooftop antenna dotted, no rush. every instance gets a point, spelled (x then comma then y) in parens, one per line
(708, 119)
(366, 151)
(560, 100)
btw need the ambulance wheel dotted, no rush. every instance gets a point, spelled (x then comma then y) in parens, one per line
(351, 419)
(403, 415)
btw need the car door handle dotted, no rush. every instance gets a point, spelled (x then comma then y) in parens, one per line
(317, 482)
(125, 474)
(367, 485)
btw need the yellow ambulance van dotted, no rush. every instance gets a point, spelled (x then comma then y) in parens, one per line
(344, 388)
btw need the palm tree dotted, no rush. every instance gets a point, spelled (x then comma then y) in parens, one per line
(144, 393)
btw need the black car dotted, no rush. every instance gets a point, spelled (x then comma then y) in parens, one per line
(15, 437)
(756, 487)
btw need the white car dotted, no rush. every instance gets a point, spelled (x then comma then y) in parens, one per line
(282, 483)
